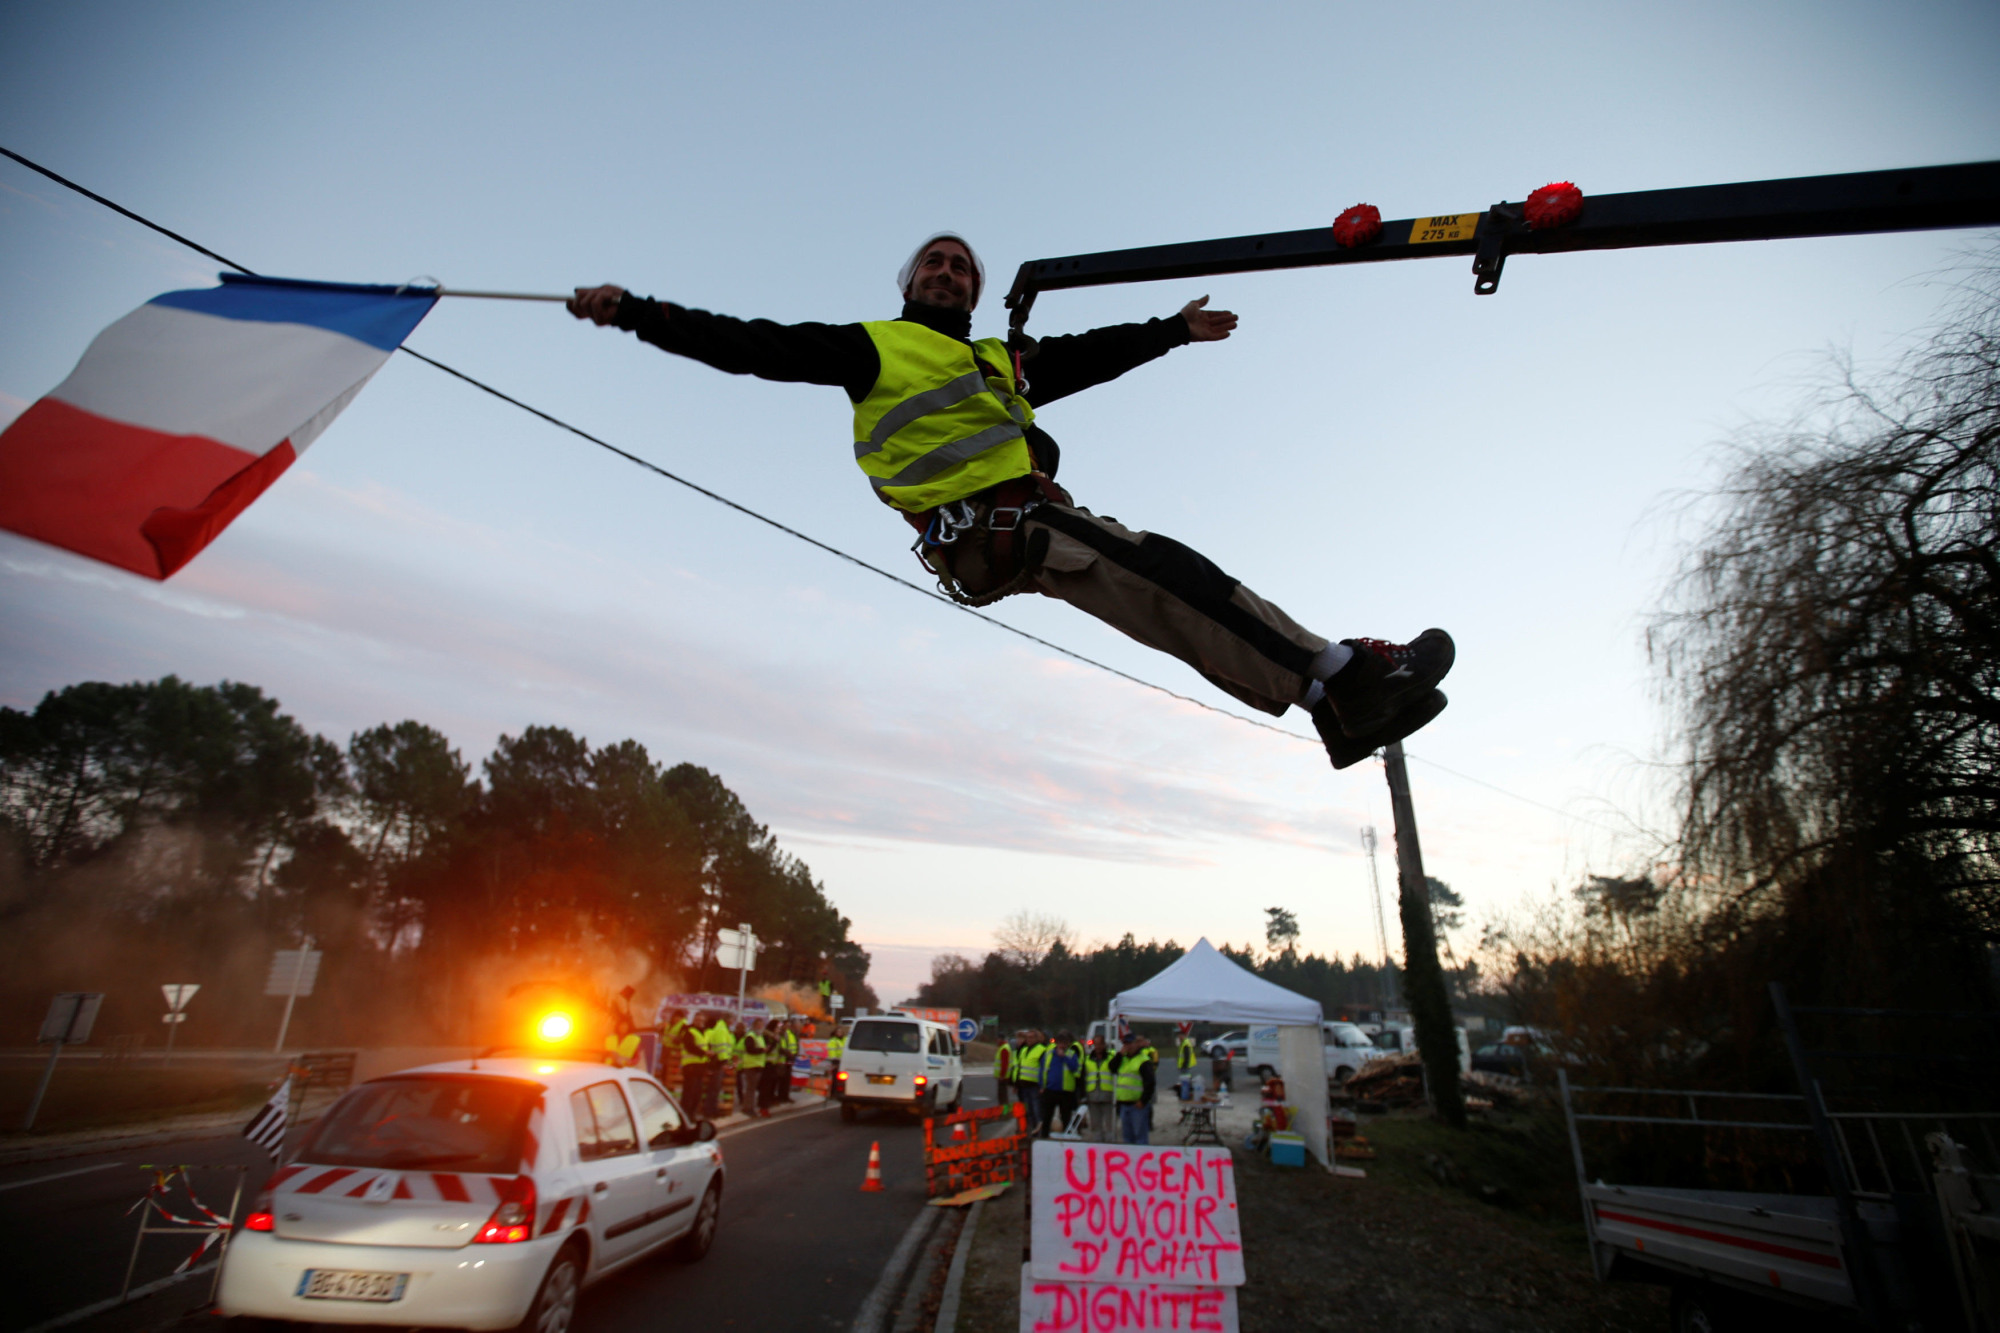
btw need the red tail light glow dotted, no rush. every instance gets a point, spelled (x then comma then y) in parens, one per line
(842, 1076)
(262, 1207)
(514, 1219)
(920, 1080)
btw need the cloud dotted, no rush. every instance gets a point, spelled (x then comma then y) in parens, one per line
(944, 734)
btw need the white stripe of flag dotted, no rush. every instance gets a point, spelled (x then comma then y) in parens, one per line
(267, 1128)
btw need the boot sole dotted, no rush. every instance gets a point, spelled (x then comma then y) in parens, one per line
(1352, 750)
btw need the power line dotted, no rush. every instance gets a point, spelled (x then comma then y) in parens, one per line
(768, 521)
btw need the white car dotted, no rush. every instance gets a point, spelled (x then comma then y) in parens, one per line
(479, 1194)
(1230, 1045)
(908, 1063)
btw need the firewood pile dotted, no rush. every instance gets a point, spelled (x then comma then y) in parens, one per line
(1397, 1081)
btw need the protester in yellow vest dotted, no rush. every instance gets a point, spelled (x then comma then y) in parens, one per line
(698, 1069)
(1130, 1067)
(1028, 1073)
(721, 1050)
(945, 431)
(787, 1057)
(751, 1048)
(1184, 1063)
(1099, 1087)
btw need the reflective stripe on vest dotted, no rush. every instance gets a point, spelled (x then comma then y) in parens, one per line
(1097, 1075)
(1028, 1069)
(1127, 1083)
(940, 423)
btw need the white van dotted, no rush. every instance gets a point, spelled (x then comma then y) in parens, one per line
(895, 1061)
(1346, 1048)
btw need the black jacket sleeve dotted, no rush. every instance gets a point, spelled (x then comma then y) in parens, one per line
(1065, 365)
(839, 354)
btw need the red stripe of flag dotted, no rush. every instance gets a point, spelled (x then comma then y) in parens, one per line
(139, 499)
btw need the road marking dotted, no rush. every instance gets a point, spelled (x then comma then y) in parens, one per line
(60, 1175)
(64, 1320)
(874, 1314)
(771, 1120)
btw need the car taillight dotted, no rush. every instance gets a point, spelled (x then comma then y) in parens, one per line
(262, 1208)
(842, 1076)
(920, 1080)
(514, 1219)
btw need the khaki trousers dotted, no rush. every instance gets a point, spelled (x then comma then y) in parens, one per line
(1170, 597)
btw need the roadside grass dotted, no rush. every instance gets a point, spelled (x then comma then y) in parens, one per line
(94, 1096)
(1519, 1163)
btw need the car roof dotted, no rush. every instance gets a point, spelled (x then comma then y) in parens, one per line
(556, 1075)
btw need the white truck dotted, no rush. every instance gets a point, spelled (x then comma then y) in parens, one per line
(1907, 1236)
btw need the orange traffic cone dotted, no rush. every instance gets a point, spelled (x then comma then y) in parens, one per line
(872, 1182)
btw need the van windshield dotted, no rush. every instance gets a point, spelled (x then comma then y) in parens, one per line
(893, 1038)
(470, 1125)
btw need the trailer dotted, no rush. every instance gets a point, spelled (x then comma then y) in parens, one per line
(1906, 1236)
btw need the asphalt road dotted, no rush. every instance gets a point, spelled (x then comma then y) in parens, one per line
(800, 1246)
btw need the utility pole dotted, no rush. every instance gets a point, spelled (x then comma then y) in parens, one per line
(1388, 992)
(1423, 976)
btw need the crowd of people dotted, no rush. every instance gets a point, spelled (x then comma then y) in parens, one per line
(747, 1062)
(1098, 1090)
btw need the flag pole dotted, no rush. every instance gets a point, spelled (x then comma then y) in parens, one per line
(501, 296)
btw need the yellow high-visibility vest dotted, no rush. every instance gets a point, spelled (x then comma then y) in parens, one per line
(943, 420)
(1127, 1082)
(1184, 1054)
(835, 1046)
(1028, 1068)
(754, 1047)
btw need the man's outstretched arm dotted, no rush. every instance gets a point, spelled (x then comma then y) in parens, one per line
(839, 354)
(1070, 363)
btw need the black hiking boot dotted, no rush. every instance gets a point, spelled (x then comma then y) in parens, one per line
(1345, 750)
(1382, 679)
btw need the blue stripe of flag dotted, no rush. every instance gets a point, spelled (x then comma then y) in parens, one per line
(378, 316)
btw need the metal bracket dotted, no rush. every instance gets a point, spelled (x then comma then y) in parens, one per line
(1501, 222)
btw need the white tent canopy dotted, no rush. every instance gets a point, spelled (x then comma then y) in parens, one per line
(1203, 986)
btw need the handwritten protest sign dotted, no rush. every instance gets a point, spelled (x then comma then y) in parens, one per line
(1135, 1215)
(1108, 1307)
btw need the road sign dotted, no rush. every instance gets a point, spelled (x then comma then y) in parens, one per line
(71, 1016)
(736, 949)
(293, 972)
(968, 1028)
(178, 996)
(836, 1000)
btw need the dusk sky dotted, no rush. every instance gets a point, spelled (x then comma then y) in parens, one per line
(1376, 450)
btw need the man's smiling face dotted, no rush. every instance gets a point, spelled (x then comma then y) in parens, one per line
(945, 277)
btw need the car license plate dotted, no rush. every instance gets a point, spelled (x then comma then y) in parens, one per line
(881, 1078)
(347, 1284)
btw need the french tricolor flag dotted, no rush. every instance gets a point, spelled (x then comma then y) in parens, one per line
(181, 413)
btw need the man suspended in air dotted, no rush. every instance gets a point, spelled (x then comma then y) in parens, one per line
(944, 429)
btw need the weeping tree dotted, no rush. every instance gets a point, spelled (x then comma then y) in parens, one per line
(1831, 659)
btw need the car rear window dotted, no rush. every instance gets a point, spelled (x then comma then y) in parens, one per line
(893, 1038)
(471, 1125)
